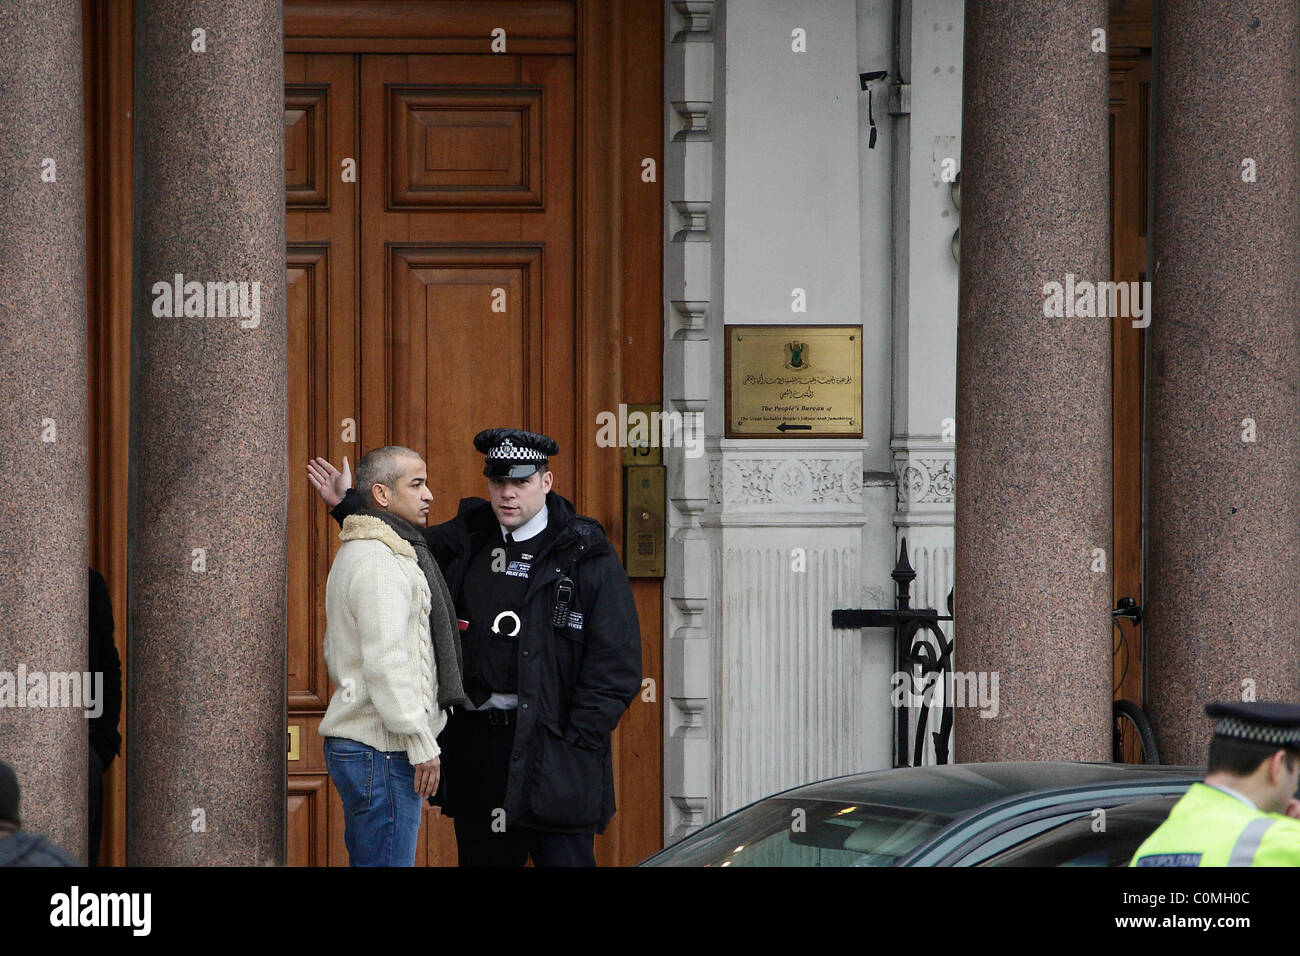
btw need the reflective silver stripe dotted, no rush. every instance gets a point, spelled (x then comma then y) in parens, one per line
(1243, 854)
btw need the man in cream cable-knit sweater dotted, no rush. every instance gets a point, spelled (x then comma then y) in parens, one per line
(381, 726)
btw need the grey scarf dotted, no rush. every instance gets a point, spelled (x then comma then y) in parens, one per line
(442, 612)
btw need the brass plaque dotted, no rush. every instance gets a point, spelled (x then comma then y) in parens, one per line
(644, 502)
(794, 381)
(644, 433)
(294, 736)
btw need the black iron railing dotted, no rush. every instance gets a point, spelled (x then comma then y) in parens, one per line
(923, 658)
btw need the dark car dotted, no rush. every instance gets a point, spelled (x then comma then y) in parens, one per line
(974, 814)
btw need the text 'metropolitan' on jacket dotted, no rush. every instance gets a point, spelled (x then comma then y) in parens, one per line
(377, 644)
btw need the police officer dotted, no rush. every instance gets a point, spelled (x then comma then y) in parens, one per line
(1236, 818)
(552, 658)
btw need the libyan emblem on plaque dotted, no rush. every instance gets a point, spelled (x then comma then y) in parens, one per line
(796, 355)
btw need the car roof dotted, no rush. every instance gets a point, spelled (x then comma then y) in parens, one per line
(956, 789)
(966, 792)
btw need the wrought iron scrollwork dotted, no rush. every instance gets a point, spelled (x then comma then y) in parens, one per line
(923, 654)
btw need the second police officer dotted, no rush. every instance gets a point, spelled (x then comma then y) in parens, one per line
(552, 659)
(1243, 814)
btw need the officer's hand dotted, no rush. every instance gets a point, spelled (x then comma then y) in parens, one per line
(329, 482)
(426, 776)
(1293, 808)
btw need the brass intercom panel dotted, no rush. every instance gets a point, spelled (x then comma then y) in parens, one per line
(644, 526)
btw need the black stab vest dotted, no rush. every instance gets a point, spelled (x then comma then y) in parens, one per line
(492, 659)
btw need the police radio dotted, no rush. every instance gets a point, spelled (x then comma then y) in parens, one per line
(563, 595)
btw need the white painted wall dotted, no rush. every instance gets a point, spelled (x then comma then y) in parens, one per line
(791, 163)
(925, 273)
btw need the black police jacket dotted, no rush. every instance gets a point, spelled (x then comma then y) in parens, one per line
(104, 737)
(575, 681)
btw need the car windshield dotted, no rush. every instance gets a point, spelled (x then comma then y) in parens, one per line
(783, 831)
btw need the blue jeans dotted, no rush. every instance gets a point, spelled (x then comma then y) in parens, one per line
(381, 808)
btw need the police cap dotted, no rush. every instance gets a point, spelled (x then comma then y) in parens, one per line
(1277, 725)
(513, 453)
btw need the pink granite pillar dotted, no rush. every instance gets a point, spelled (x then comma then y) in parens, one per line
(1033, 487)
(209, 468)
(43, 604)
(1223, 414)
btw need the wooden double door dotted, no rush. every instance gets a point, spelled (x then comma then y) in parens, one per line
(432, 277)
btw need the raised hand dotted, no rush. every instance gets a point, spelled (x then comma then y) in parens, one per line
(330, 483)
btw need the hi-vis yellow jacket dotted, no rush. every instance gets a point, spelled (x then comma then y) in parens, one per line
(1208, 827)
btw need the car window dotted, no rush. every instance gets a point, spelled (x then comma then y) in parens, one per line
(1014, 837)
(1090, 840)
(790, 832)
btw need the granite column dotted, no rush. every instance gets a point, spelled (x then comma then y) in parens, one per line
(209, 469)
(44, 734)
(1033, 487)
(1223, 413)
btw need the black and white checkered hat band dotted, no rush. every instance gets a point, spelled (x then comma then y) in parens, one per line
(1259, 733)
(508, 451)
